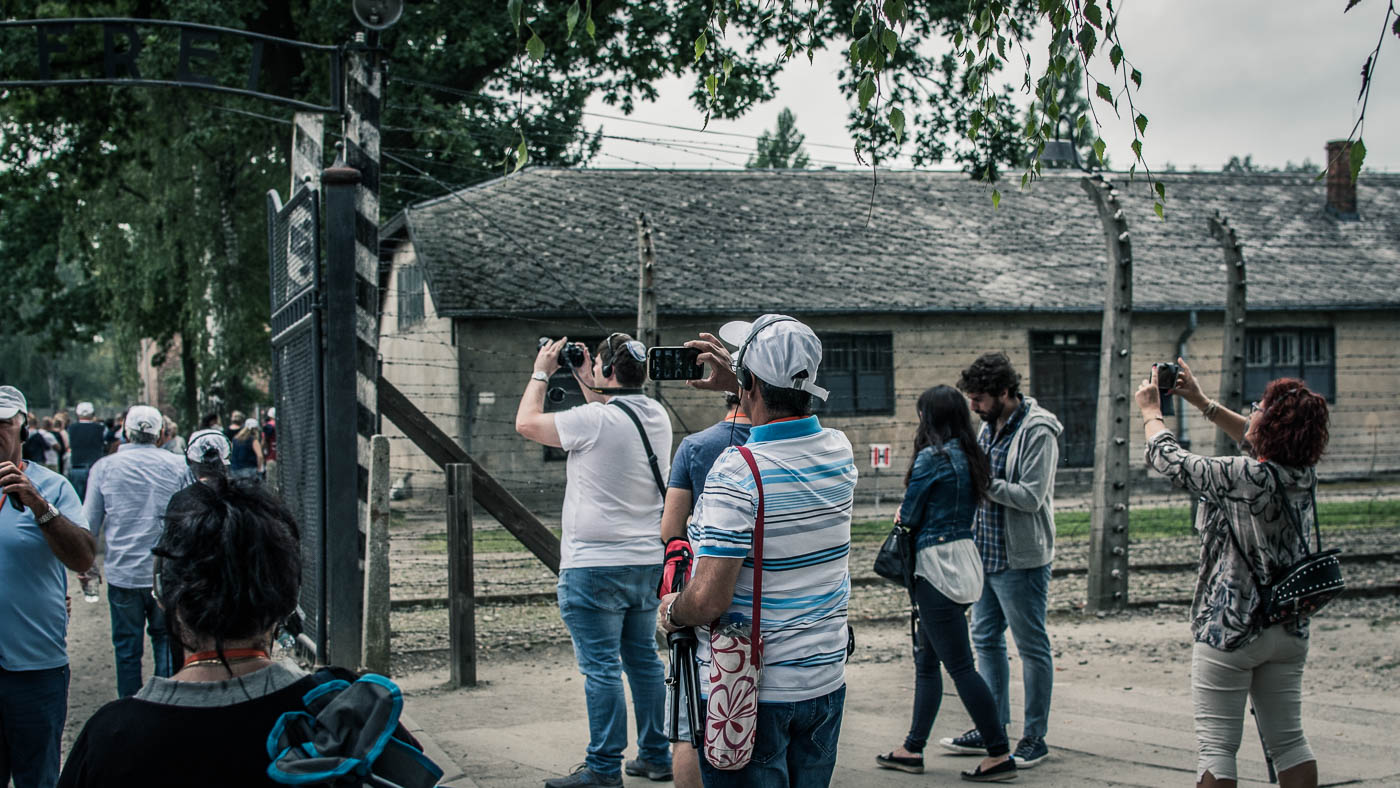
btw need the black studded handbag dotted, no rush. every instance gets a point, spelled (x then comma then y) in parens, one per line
(1305, 587)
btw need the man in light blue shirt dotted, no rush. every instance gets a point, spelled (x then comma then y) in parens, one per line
(128, 493)
(42, 530)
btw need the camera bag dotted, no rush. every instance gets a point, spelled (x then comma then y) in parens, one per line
(1305, 587)
(736, 660)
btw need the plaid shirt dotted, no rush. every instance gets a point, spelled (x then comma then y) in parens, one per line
(989, 525)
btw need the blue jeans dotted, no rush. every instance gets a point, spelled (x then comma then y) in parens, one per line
(794, 745)
(611, 615)
(78, 477)
(33, 707)
(1017, 597)
(132, 609)
(943, 639)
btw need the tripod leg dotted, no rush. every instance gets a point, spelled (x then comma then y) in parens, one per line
(692, 698)
(673, 684)
(1268, 759)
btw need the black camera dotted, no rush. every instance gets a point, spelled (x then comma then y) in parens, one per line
(570, 355)
(1167, 373)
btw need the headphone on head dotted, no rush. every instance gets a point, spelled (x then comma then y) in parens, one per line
(746, 378)
(631, 346)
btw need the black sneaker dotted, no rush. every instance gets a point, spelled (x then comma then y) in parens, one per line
(584, 777)
(656, 772)
(1030, 751)
(969, 743)
(1006, 770)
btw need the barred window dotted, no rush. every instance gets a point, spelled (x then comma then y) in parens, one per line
(1289, 353)
(410, 300)
(858, 370)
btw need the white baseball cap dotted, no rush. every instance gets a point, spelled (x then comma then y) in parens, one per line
(780, 350)
(205, 445)
(84, 410)
(250, 424)
(12, 401)
(144, 418)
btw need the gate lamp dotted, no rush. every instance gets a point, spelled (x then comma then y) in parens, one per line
(377, 14)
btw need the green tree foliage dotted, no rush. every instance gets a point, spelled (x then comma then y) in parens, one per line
(780, 149)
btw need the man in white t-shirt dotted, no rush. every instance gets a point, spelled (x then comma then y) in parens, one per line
(619, 446)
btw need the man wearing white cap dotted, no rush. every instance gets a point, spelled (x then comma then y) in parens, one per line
(128, 493)
(808, 482)
(86, 444)
(42, 530)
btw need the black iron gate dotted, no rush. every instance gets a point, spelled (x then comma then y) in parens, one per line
(294, 254)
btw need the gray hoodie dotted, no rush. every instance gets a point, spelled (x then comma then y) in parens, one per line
(1028, 491)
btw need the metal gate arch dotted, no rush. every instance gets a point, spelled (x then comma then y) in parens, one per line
(294, 259)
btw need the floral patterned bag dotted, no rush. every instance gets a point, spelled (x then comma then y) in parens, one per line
(736, 659)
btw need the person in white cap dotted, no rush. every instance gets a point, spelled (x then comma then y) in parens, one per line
(808, 478)
(42, 531)
(128, 493)
(85, 445)
(247, 461)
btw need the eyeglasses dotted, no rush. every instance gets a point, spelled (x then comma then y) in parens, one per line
(1255, 407)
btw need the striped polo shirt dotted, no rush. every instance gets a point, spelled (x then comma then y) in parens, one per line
(809, 479)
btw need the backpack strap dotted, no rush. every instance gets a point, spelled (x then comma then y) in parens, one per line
(757, 551)
(646, 444)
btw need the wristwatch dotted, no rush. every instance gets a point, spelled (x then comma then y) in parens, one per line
(46, 517)
(671, 622)
(540, 376)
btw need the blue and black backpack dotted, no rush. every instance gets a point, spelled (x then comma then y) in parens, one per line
(345, 737)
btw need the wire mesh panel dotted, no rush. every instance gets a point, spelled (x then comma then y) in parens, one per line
(294, 260)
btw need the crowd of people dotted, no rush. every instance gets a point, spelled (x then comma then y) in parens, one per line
(978, 510)
(743, 530)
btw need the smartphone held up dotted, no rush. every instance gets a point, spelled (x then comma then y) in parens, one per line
(674, 363)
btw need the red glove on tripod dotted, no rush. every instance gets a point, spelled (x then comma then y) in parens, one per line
(676, 573)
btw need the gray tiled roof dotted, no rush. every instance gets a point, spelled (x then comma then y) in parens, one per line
(751, 241)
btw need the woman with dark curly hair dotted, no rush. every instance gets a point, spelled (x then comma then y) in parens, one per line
(1244, 507)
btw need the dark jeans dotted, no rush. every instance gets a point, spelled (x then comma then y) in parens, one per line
(33, 707)
(943, 638)
(78, 477)
(134, 609)
(795, 745)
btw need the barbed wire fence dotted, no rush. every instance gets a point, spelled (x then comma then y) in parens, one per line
(441, 368)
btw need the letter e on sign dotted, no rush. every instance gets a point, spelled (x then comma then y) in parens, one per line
(879, 455)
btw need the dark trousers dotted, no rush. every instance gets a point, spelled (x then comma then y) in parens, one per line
(33, 707)
(133, 609)
(943, 639)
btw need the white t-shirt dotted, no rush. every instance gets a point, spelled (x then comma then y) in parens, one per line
(612, 509)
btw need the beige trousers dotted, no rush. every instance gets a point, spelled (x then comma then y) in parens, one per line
(1270, 671)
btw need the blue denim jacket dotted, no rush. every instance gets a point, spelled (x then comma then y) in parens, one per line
(939, 504)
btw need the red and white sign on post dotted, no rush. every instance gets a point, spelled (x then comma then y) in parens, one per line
(879, 455)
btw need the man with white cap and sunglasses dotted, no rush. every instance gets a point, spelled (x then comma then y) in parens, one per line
(808, 483)
(42, 531)
(128, 493)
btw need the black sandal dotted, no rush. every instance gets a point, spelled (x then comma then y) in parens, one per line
(891, 761)
(1006, 770)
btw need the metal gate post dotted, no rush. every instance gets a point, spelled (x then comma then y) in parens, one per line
(344, 592)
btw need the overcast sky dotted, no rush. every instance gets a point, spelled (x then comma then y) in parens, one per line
(1220, 78)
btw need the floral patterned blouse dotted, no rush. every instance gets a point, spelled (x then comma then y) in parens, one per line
(1237, 492)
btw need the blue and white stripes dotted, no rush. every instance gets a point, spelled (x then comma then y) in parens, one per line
(809, 478)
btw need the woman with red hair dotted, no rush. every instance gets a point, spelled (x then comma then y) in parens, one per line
(1236, 656)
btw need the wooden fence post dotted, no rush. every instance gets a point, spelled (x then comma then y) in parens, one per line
(461, 590)
(375, 651)
(1108, 520)
(1232, 354)
(646, 293)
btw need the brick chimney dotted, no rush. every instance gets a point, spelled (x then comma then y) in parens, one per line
(1341, 192)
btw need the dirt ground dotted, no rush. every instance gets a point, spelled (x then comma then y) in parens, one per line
(1111, 673)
